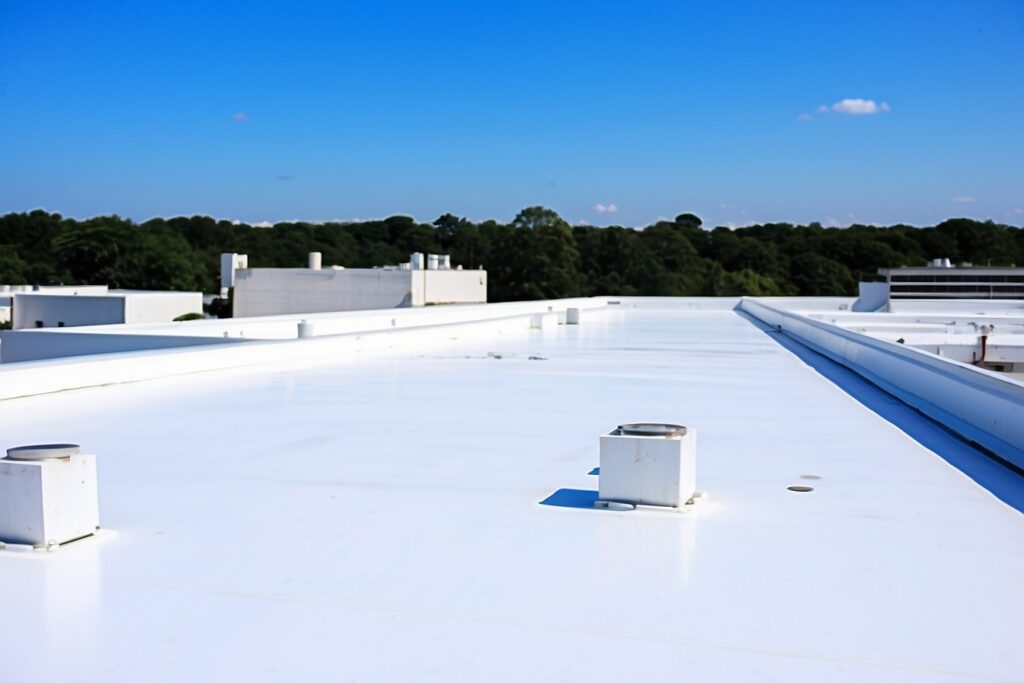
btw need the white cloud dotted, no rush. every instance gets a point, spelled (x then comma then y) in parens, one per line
(964, 199)
(856, 107)
(804, 117)
(240, 116)
(1017, 212)
(606, 208)
(583, 221)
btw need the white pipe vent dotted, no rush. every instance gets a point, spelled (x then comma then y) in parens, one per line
(648, 464)
(48, 495)
(544, 321)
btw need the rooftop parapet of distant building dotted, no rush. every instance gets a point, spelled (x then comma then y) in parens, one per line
(78, 306)
(424, 280)
(940, 279)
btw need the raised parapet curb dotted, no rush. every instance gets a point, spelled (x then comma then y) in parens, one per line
(977, 404)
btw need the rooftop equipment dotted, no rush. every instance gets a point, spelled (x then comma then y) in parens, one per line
(315, 260)
(648, 464)
(48, 495)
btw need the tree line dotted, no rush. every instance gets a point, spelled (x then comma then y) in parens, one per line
(537, 255)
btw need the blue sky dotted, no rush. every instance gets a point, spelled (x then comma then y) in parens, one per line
(610, 113)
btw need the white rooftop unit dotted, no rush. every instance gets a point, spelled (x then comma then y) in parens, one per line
(48, 495)
(649, 464)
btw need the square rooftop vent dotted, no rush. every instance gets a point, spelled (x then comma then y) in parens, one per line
(649, 464)
(48, 495)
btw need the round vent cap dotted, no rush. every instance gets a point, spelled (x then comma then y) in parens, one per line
(43, 451)
(651, 429)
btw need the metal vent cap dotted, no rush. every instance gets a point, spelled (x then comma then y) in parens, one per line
(651, 429)
(43, 451)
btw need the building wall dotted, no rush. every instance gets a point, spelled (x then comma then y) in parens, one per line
(874, 296)
(61, 310)
(23, 345)
(70, 310)
(454, 286)
(952, 283)
(280, 291)
(160, 307)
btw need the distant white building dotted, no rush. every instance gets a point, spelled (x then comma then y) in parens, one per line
(7, 293)
(97, 305)
(941, 280)
(283, 291)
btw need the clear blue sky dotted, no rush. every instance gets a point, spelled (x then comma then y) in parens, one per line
(607, 112)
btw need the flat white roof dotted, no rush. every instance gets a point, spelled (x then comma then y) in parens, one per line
(385, 520)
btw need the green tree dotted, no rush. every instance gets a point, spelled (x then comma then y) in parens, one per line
(537, 217)
(816, 275)
(13, 270)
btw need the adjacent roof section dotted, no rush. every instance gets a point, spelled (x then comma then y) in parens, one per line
(422, 511)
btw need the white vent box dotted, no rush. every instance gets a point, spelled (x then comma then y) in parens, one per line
(648, 464)
(48, 495)
(544, 321)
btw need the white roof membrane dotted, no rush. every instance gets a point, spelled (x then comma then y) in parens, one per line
(382, 520)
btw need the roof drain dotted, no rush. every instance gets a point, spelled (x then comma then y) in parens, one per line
(648, 463)
(48, 495)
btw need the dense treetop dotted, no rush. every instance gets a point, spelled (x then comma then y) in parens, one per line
(538, 255)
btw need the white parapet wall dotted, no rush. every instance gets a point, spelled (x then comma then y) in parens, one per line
(66, 310)
(284, 291)
(981, 406)
(280, 291)
(49, 309)
(335, 339)
(158, 307)
(453, 286)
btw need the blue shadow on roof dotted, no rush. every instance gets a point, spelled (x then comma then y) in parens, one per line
(571, 498)
(1001, 479)
(596, 472)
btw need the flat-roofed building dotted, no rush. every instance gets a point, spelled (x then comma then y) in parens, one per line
(941, 280)
(96, 305)
(317, 289)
